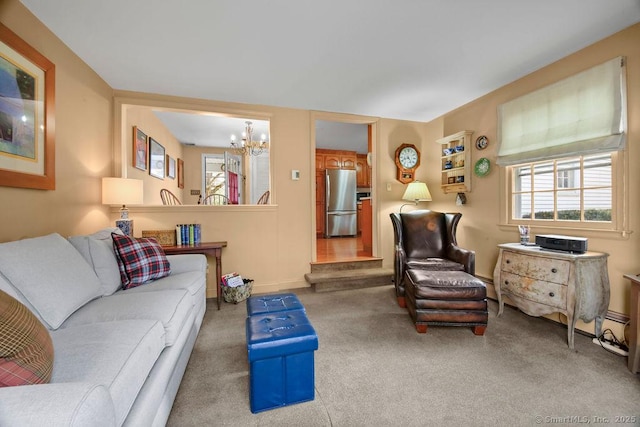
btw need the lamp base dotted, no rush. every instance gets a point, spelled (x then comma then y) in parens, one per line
(126, 226)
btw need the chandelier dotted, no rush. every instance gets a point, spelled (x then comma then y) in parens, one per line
(247, 146)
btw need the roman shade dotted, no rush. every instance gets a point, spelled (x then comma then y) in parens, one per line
(582, 114)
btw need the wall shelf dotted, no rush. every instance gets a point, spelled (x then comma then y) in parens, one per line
(456, 167)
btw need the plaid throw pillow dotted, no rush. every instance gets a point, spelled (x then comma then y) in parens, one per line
(140, 260)
(26, 350)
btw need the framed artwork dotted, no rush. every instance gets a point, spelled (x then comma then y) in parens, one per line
(171, 167)
(140, 149)
(156, 159)
(27, 105)
(180, 173)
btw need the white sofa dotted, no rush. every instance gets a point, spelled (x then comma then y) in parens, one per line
(119, 355)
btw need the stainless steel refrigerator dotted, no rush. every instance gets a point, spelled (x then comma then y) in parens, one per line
(340, 197)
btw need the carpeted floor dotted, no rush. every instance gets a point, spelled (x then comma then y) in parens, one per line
(373, 368)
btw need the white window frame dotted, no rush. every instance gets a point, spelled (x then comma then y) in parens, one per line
(619, 203)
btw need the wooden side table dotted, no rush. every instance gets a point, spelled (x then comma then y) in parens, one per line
(207, 248)
(634, 330)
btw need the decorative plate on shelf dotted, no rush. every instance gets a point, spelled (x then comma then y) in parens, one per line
(482, 167)
(482, 142)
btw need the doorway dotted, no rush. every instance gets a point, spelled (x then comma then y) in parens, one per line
(344, 144)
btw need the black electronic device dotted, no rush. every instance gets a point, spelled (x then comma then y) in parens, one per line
(562, 243)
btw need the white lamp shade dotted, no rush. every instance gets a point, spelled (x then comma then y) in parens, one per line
(417, 191)
(122, 191)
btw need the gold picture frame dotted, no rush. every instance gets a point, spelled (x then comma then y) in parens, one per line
(27, 115)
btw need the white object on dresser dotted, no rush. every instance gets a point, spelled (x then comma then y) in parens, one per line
(542, 282)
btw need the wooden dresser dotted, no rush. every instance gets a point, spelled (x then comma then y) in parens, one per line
(542, 282)
(634, 331)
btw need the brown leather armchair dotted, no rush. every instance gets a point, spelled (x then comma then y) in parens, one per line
(426, 240)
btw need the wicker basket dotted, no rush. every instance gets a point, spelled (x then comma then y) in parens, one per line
(237, 294)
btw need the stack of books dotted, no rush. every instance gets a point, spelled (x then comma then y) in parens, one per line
(188, 234)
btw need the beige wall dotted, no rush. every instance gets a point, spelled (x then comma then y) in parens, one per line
(83, 147)
(479, 228)
(274, 244)
(149, 123)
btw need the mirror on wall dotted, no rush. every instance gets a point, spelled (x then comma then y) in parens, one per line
(220, 159)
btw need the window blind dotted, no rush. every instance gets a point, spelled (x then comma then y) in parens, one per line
(582, 114)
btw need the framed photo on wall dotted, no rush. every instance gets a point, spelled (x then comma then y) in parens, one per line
(27, 105)
(156, 159)
(180, 173)
(171, 167)
(140, 149)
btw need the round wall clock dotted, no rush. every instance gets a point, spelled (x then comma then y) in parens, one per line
(407, 161)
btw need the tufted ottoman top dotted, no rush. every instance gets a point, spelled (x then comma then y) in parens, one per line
(273, 304)
(278, 334)
(445, 285)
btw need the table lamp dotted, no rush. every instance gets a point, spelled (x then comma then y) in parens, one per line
(417, 192)
(122, 191)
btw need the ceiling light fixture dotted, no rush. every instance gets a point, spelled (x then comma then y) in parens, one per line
(247, 146)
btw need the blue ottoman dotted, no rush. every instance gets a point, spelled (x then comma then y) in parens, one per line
(280, 349)
(273, 304)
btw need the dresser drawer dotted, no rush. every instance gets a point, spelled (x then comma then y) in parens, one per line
(539, 268)
(540, 291)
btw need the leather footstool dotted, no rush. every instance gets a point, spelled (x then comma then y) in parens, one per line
(446, 298)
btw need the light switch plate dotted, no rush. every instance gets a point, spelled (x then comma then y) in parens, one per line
(295, 175)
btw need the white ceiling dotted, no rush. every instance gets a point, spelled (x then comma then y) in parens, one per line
(403, 59)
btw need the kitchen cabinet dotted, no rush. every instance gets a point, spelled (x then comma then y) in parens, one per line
(455, 162)
(367, 228)
(320, 186)
(543, 282)
(359, 218)
(335, 159)
(363, 171)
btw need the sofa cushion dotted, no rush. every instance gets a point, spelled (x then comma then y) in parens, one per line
(192, 282)
(118, 355)
(140, 260)
(171, 307)
(97, 250)
(26, 350)
(64, 404)
(50, 274)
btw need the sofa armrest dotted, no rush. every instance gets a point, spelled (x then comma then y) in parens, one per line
(57, 404)
(187, 262)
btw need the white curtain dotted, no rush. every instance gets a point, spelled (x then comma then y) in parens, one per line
(582, 114)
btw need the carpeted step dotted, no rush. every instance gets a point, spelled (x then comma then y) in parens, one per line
(318, 267)
(349, 279)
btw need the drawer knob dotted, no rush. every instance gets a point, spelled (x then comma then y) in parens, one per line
(551, 294)
(554, 270)
(506, 282)
(508, 261)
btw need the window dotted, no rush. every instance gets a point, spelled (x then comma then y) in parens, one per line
(563, 150)
(575, 189)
